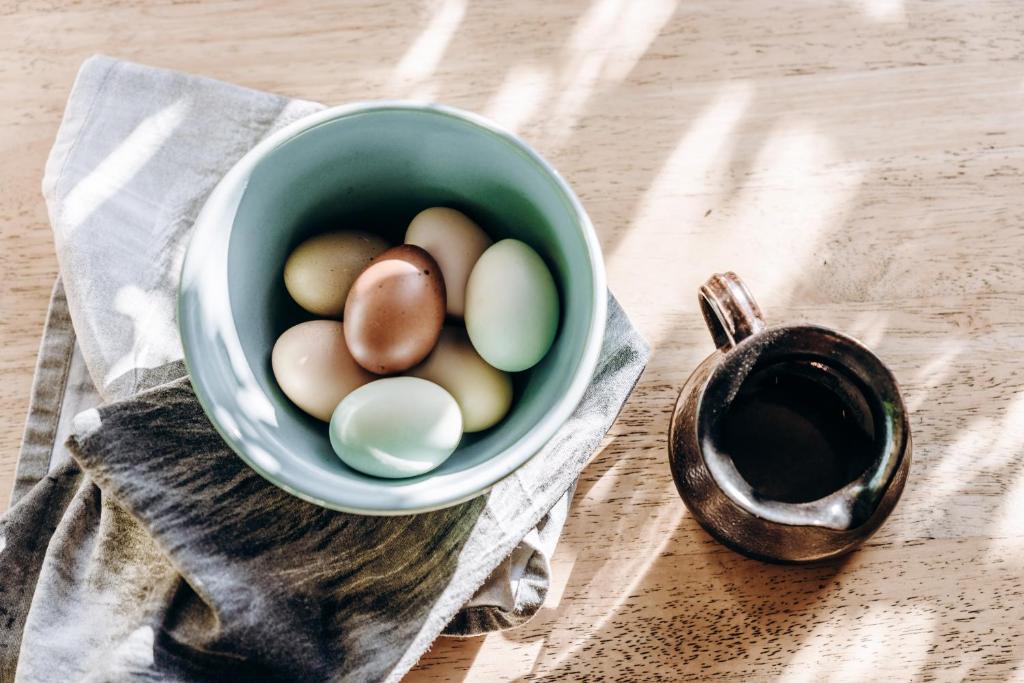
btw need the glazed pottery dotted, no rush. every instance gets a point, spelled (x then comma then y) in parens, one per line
(777, 384)
(373, 167)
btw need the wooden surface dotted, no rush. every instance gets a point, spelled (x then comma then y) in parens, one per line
(859, 163)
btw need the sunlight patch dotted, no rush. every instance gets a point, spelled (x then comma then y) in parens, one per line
(424, 55)
(121, 165)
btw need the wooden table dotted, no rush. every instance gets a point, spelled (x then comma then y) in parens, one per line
(859, 163)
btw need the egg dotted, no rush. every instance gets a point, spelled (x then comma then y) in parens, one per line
(313, 367)
(512, 306)
(320, 271)
(395, 310)
(396, 427)
(455, 242)
(483, 392)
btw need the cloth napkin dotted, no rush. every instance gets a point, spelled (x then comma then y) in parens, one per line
(145, 549)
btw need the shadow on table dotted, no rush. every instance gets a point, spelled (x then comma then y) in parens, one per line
(691, 611)
(754, 167)
(696, 609)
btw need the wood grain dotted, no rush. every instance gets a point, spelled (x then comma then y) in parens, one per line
(858, 163)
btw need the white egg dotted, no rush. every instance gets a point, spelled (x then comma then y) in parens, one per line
(483, 392)
(512, 306)
(396, 427)
(455, 242)
(313, 367)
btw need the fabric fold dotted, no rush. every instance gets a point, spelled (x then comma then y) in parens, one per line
(155, 550)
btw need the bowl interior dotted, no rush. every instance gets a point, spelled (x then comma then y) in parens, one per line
(373, 170)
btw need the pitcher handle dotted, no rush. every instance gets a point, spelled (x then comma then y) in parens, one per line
(729, 310)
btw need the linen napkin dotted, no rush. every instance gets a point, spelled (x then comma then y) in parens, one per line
(154, 552)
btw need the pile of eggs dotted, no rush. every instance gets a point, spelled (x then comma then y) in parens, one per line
(389, 363)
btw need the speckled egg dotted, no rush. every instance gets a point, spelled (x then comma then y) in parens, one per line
(395, 310)
(396, 427)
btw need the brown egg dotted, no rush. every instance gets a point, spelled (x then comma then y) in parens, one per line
(394, 310)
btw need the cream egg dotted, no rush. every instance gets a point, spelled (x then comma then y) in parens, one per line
(455, 242)
(313, 367)
(320, 271)
(483, 392)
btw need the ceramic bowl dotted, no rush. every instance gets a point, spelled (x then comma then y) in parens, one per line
(372, 167)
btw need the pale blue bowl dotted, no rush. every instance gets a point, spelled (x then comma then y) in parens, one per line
(372, 167)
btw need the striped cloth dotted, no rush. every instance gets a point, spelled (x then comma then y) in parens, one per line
(138, 546)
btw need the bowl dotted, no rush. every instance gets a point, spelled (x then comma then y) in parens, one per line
(373, 166)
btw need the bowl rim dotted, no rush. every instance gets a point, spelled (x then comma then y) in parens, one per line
(219, 209)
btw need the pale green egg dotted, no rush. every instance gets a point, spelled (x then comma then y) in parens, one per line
(511, 306)
(396, 427)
